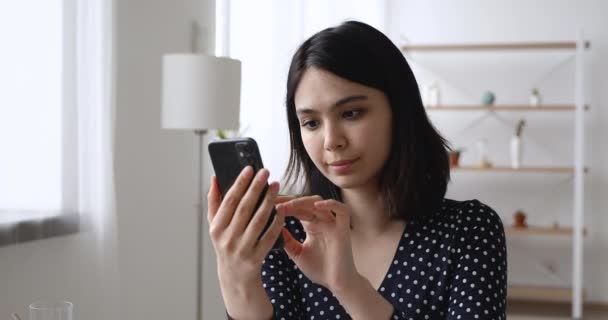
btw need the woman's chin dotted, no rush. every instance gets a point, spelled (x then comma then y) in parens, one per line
(346, 181)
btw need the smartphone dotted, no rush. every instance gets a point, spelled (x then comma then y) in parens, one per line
(229, 157)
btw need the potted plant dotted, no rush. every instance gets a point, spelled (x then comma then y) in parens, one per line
(455, 156)
(520, 219)
(225, 134)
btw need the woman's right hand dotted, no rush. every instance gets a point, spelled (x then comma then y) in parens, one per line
(235, 237)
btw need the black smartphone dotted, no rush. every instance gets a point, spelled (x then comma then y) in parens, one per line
(229, 157)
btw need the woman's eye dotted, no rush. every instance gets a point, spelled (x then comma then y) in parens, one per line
(310, 124)
(351, 114)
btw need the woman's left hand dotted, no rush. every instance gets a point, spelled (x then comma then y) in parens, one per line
(326, 256)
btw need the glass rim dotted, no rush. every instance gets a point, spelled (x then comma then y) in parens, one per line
(50, 304)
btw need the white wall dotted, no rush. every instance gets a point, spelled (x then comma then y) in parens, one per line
(155, 169)
(548, 137)
(67, 268)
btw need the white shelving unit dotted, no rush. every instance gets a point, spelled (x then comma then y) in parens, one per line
(578, 170)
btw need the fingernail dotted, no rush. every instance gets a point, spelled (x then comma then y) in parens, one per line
(247, 170)
(264, 171)
(274, 188)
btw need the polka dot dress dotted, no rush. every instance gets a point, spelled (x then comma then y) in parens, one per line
(449, 265)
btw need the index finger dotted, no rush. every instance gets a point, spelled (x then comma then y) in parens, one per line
(232, 198)
(302, 208)
(338, 209)
(301, 203)
(283, 198)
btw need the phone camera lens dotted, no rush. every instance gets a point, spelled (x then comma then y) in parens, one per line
(241, 146)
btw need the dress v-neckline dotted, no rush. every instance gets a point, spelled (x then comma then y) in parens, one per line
(402, 243)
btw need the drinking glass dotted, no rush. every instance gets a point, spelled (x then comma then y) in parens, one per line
(51, 310)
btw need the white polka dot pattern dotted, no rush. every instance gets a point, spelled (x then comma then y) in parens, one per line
(448, 265)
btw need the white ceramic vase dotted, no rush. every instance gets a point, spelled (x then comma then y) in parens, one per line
(516, 151)
(433, 98)
(535, 100)
(482, 150)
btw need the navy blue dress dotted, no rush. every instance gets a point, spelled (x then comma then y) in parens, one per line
(449, 265)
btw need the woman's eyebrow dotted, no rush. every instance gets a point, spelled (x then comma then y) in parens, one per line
(336, 104)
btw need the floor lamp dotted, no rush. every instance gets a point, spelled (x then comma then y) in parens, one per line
(200, 93)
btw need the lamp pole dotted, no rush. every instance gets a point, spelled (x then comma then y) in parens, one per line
(200, 227)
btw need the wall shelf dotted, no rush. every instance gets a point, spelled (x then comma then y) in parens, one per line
(533, 169)
(525, 108)
(569, 45)
(540, 231)
(538, 293)
(573, 295)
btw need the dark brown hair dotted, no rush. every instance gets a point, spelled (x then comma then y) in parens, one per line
(414, 179)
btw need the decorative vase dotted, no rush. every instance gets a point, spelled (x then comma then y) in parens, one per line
(516, 151)
(433, 95)
(482, 150)
(488, 98)
(535, 98)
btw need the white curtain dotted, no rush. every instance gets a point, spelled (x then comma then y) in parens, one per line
(96, 110)
(264, 35)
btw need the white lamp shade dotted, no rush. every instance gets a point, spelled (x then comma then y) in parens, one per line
(200, 92)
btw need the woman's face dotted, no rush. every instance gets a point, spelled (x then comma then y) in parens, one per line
(345, 127)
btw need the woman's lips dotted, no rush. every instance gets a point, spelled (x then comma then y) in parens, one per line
(342, 166)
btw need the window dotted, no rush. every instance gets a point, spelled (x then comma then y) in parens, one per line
(37, 118)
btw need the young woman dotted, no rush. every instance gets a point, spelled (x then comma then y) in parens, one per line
(371, 236)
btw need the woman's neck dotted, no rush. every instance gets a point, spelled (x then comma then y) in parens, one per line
(369, 216)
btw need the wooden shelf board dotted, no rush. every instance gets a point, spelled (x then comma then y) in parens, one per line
(540, 231)
(520, 169)
(542, 108)
(494, 46)
(537, 293)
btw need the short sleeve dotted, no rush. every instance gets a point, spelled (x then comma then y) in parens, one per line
(280, 280)
(478, 288)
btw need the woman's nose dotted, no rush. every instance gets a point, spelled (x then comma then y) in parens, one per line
(334, 138)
